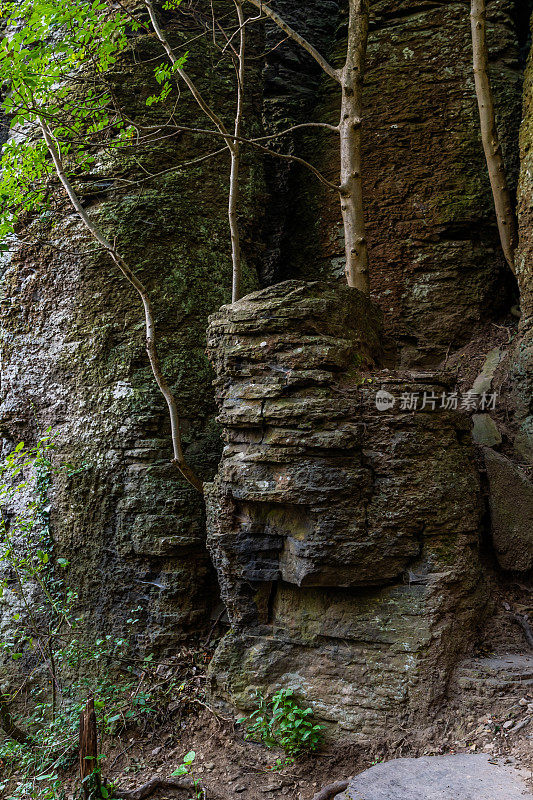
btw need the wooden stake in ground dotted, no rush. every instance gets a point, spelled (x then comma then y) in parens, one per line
(89, 751)
(505, 215)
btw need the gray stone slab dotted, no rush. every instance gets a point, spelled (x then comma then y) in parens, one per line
(457, 777)
(483, 381)
(485, 430)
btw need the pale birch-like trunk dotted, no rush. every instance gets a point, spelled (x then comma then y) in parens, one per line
(151, 348)
(350, 78)
(235, 151)
(351, 184)
(505, 215)
(232, 143)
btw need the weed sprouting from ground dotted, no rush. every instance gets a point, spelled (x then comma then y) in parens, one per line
(281, 722)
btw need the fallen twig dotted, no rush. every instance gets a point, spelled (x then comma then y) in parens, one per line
(331, 790)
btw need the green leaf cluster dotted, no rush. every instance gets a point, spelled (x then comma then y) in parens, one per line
(281, 722)
(55, 60)
(54, 57)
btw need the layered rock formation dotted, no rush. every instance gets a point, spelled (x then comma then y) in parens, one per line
(345, 537)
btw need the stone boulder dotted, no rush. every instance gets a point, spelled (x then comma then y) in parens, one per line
(457, 777)
(511, 510)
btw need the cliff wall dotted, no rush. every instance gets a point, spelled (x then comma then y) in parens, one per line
(350, 542)
(437, 270)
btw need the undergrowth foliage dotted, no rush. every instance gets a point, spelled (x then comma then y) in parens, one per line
(60, 665)
(281, 722)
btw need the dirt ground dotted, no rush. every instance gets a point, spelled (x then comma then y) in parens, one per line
(229, 766)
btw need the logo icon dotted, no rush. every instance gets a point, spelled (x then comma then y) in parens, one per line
(384, 400)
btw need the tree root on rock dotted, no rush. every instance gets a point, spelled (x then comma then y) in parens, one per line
(154, 785)
(331, 790)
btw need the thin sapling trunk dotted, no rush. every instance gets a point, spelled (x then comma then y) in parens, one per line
(505, 215)
(350, 78)
(127, 272)
(235, 164)
(233, 142)
(351, 185)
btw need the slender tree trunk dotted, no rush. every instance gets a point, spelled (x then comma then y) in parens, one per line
(151, 349)
(351, 188)
(234, 224)
(235, 163)
(233, 143)
(505, 215)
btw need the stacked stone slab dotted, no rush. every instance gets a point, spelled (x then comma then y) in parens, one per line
(345, 538)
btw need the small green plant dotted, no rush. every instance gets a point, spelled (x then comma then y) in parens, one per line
(185, 768)
(60, 665)
(280, 722)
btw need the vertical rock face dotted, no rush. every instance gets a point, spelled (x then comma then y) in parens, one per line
(436, 267)
(73, 358)
(344, 537)
(523, 362)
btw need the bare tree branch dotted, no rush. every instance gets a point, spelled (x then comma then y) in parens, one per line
(185, 164)
(257, 143)
(297, 160)
(307, 46)
(215, 119)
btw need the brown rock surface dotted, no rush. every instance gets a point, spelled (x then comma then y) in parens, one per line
(511, 511)
(344, 537)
